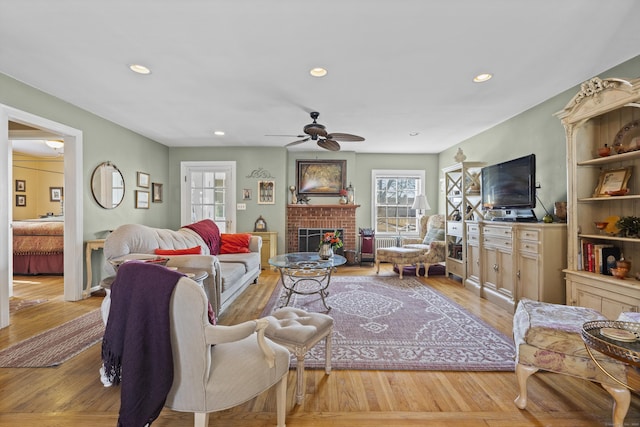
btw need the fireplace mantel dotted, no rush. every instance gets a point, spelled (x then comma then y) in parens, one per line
(321, 216)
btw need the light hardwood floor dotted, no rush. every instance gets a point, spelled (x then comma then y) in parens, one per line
(72, 395)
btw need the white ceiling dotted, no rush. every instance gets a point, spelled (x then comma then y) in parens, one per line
(395, 67)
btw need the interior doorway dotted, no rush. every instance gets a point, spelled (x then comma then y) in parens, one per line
(73, 219)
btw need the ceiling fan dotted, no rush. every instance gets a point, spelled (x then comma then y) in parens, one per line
(317, 132)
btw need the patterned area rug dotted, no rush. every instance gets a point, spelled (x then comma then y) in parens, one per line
(56, 345)
(392, 324)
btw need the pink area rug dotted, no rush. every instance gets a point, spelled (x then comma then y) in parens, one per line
(57, 345)
(392, 324)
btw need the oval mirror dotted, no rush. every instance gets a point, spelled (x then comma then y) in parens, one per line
(107, 185)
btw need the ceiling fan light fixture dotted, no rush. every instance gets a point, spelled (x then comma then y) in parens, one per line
(482, 77)
(140, 69)
(318, 72)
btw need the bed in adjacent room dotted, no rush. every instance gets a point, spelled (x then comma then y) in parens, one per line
(38, 246)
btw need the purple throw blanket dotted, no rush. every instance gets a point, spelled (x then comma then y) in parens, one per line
(136, 348)
(209, 232)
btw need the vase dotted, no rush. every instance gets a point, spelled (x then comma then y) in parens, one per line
(326, 251)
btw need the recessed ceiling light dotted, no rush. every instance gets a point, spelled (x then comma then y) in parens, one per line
(218, 132)
(140, 69)
(318, 72)
(414, 133)
(482, 77)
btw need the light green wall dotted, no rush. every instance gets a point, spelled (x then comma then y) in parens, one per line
(252, 165)
(536, 131)
(102, 140)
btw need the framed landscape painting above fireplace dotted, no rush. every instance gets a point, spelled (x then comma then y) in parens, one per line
(321, 177)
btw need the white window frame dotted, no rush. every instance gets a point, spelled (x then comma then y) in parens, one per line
(379, 173)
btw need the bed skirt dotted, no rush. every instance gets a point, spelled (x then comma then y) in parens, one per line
(38, 264)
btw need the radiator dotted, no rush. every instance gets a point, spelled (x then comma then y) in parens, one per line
(386, 242)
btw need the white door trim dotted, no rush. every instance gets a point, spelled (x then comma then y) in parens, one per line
(73, 205)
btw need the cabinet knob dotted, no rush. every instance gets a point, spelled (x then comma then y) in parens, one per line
(495, 267)
(518, 274)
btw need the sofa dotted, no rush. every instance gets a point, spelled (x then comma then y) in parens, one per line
(229, 273)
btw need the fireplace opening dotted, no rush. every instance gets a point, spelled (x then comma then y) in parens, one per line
(309, 239)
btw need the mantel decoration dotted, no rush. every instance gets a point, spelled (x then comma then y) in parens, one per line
(329, 242)
(321, 177)
(343, 197)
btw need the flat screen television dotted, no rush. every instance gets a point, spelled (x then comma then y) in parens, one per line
(510, 185)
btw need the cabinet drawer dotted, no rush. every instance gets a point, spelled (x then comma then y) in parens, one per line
(496, 242)
(454, 228)
(528, 234)
(502, 232)
(473, 229)
(473, 238)
(528, 246)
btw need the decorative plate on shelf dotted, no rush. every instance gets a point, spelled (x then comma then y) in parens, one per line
(627, 138)
(611, 225)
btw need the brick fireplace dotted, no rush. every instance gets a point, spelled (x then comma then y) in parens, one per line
(324, 217)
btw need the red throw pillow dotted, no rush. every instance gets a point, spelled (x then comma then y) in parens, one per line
(196, 250)
(235, 243)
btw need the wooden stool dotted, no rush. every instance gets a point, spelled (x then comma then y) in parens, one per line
(299, 331)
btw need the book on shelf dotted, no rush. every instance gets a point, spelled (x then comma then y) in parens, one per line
(610, 256)
(597, 257)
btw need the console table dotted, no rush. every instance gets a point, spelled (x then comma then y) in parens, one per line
(92, 245)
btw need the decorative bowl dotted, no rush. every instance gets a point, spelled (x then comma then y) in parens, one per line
(604, 151)
(601, 225)
(618, 192)
(623, 263)
(619, 273)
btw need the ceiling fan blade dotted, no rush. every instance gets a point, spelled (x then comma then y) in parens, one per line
(289, 136)
(329, 144)
(345, 137)
(300, 141)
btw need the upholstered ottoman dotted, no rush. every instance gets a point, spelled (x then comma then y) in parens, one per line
(548, 336)
(299, 331)
(398, 256)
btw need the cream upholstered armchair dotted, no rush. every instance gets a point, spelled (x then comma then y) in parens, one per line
(431, 240)
(218, 367)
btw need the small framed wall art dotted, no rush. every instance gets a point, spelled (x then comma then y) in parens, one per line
(246, 194)
(613, 182)
(21, 200)
(142, 199)
(55, 194)
(21, 185)
(266, 192)
(156, 192)
(143, 180)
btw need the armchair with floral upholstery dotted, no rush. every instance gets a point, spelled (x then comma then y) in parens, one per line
(431, 240)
